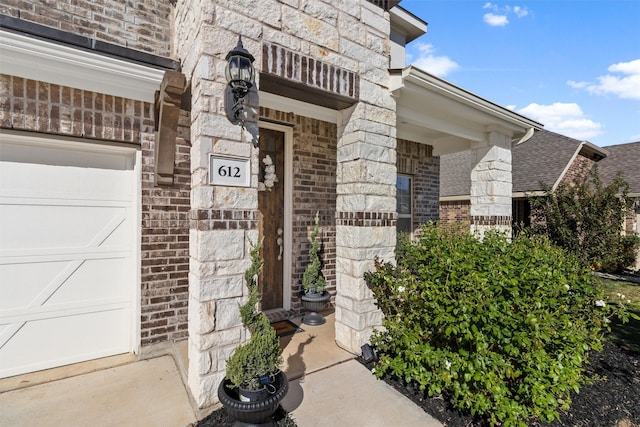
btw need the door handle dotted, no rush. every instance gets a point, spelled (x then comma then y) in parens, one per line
(280, 242)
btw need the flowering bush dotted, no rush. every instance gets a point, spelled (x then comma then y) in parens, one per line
(499, 327)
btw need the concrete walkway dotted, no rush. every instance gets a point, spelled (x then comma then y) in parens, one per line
(145, 393)
(327, 388)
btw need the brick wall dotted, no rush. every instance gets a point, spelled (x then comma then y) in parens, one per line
(165, 244)
(44, 107)
(417, 160)
(47, 108)
(314, 189)
(143, 25)
(578, 170)
(455, 212)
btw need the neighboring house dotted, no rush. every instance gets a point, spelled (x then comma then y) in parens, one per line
(546, 159)
(625, 159)
(116, 233)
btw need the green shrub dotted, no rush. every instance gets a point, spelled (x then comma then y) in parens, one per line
(587, 218)
(261, 355)
(500, 327)
(312, 280)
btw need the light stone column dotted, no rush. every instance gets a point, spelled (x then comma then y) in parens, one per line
(365, 216)
(223, 219)
(491, 184)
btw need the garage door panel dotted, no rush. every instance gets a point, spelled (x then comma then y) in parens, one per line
(25, 226)
(26, 282)
(69, 182)
(90, 284)
(58, 341)
(67, 253)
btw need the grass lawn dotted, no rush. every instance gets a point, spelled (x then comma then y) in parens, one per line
(627, 335)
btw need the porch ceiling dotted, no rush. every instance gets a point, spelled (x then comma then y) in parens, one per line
(435, 112)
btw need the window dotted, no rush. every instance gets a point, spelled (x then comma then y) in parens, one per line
(404, 203)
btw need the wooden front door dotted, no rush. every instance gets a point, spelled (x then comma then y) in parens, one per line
(271, 207)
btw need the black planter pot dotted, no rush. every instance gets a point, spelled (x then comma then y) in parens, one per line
(313, 303)
(256, 413)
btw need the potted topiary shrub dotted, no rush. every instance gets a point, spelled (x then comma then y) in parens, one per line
(314, 297)
(254, 384)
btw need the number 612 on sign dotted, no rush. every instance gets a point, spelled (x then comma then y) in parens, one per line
(230, 171)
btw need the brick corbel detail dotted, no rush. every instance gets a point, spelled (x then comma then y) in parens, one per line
(302, 77)
(168, 101)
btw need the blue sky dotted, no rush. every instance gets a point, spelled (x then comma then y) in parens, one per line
(573, 65)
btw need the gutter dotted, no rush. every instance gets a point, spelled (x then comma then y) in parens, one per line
(426, 80)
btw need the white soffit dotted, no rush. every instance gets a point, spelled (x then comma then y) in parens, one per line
(416, 86)
(41, 60)
(288, 105)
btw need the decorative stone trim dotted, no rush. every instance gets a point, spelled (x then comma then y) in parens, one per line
(308, 71)
(367, 219)
(491, 220)
(222, 219)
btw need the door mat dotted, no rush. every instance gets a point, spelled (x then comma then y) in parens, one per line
(285, 328)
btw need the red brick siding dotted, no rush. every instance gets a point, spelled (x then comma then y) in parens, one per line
(42, 107)
(578, 170)
(165, 244)
(417, 160)
(143, 25)
(314, 189)
(455, 212)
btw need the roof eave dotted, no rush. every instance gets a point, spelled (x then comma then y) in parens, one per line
(428, 81)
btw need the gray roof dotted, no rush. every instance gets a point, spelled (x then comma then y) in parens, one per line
(624, 158)
(543, 158)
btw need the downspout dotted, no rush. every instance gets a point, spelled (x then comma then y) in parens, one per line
(528, 134)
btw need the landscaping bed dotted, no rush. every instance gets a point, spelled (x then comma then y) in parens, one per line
(613, 399)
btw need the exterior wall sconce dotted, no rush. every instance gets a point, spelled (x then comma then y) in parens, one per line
(240, 76)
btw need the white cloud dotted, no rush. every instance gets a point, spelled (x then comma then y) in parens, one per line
(495, 20)
(564, 118)
(500, 18)
(520, 12)
(625, 84)
(577, 85)
(437, 65)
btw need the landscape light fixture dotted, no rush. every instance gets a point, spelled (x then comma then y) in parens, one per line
(240, 76)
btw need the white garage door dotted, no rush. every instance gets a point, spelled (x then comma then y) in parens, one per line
(67, 252)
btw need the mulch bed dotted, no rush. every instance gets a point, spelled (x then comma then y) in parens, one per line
(612, 401)
(221, 418)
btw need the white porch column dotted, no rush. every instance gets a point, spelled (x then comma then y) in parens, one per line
(365, 215)
(491, 184)
(223, 219)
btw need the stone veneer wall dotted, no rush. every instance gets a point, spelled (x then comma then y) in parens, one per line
(48, 108)
(351, 35)
(143, 25)
(417, 160)
(491, 183)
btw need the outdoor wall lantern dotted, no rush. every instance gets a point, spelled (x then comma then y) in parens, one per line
(240, 76)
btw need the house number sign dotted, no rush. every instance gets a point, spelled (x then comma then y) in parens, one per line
(229, 171)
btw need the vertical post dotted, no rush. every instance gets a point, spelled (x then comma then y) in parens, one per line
(365, 217)
(491, 184)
